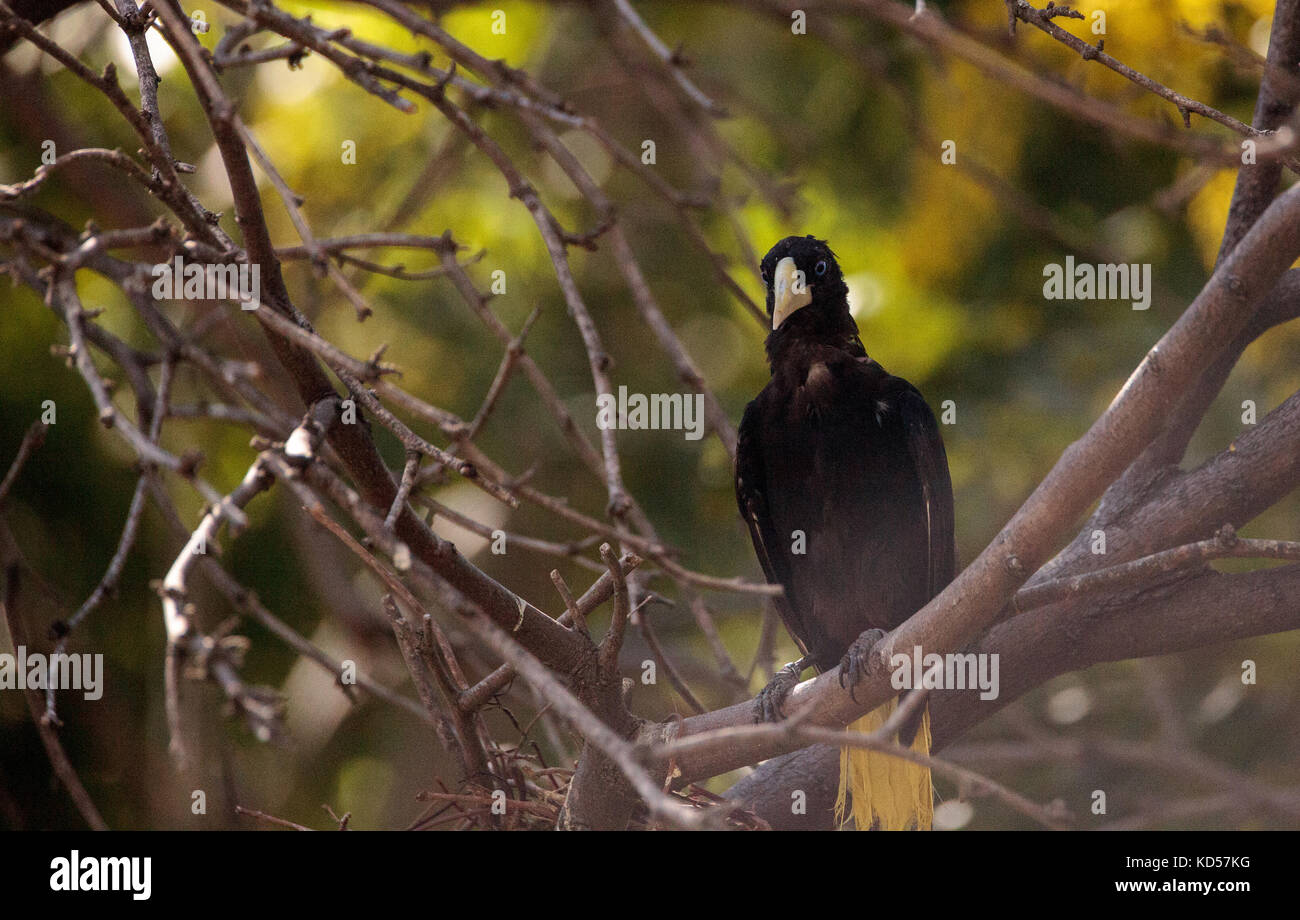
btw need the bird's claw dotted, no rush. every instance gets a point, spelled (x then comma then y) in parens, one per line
(767, 705)
(857, 663)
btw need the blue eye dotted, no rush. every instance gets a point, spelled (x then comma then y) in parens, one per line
(820, 268)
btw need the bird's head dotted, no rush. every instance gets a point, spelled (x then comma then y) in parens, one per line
(803, 280)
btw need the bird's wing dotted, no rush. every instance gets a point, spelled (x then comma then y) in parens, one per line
(925, 447)
(750, 484)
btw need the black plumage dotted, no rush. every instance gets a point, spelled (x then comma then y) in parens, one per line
(837, 449)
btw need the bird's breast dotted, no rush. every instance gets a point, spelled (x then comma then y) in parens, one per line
(816, 394)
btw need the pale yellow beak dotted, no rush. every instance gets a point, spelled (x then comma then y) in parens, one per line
(789, 291)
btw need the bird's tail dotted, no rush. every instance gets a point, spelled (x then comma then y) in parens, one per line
(887, 792)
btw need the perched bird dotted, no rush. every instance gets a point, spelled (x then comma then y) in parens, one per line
(842, 478)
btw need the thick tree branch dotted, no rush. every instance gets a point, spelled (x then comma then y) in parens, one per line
(1070, 635)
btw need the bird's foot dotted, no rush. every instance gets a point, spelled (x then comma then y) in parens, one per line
(767, 705)
(857, 662)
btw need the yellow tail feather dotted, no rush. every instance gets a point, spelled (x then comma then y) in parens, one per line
(887, 792)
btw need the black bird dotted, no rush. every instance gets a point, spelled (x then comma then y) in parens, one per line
(842, 478)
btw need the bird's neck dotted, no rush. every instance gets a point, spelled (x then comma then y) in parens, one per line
(804, 340)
